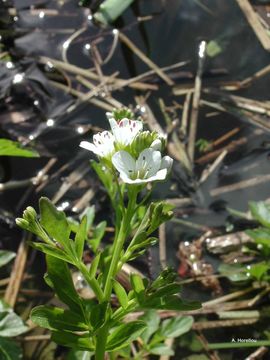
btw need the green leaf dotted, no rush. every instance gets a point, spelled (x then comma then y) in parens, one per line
(234, 272)
(137, 283)
(6, 257)
(110, 10)
(261, 236)
(10, 323)
(79, 355)
(89, 212)
(169, 289)
(213, 48)
(175, 327)
(80, 237)
(52, 250)
(167, 276)
(261, 212)
(78, 342)
(54, 318)
(124, 334)
(13, 148)
(161, 349)
(258, 270)
(55, 223)
(10, 350)
(61, 279)
(152, 320)
(98, 315)
(121, 294)
(98, 234)
(94, 266)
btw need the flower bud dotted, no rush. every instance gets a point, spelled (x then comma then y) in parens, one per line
(29, 214)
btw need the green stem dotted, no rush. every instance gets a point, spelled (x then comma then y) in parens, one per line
(92, 282)
(116, 253)
(101, 343)
(118, 244)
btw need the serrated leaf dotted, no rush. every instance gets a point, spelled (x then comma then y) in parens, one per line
(54, 318)
(13, 148)
(60, 277)
(124, 334)
(6, 257)
(80, 237)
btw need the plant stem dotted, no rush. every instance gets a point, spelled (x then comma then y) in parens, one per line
(116, 253)
(118, 244)
(101, 343)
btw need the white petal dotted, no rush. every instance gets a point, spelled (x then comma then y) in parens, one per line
(124, 163)
(113, 123)
(89, 146)
(166, 163)
(156, 145)
(109, 115)
(149, 160)
(160, 175)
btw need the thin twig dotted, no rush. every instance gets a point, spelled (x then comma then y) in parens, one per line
(255, 23)
(162, 246)
(196, 102)
(260, 179)
(17, 273)
(145, 59)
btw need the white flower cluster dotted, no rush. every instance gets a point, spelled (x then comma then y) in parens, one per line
(148, 166)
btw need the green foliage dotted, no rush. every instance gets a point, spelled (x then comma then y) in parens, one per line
(13, 148)
(124, 334)
(158, 331)
(154, 216)
(261, 212)
(9, 350)
(95, 326)
(110, 10)
(54, 318)
(98, 234)
(6, 257)
(98, 315)
(61, 281)
(10, 323)
(203, 144)
(71, 340)
(123, 113)
(163, 293)
(235, 272)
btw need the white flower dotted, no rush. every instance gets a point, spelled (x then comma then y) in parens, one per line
(102, 146)
(149, 166)
(125, 130)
